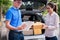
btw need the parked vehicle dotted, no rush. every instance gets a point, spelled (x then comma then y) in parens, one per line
(32, 11)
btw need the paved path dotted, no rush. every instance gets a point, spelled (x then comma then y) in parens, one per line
(3, 28)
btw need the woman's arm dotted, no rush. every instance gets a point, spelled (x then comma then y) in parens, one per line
(56, 25)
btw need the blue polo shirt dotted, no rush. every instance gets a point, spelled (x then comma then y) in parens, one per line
(14, 16)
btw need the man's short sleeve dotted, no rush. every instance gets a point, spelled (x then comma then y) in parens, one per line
(8, 15)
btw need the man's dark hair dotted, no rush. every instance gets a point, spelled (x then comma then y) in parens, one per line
(14, 0)
(17, 0)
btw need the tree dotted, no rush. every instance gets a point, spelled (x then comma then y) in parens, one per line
(59, 7)
(4, 5)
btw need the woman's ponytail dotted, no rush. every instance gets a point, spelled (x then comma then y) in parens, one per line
(55, 8)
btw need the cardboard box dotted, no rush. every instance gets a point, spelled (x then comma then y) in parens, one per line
(37, 27)
(37, 31)
(0, 24)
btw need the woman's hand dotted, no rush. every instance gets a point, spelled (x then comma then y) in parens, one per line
(45, 26)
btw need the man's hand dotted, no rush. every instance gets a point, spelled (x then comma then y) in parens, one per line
(21, 27)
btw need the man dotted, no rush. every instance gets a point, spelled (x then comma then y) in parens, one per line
(14, 22)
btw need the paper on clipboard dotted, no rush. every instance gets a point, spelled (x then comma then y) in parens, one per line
(28, 25)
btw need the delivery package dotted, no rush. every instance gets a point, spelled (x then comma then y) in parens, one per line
(37, 28)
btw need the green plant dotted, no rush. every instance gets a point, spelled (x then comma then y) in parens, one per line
(59, 9)
(4, 5)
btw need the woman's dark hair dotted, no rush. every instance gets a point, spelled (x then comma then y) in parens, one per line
(55, 8)
(52, 5)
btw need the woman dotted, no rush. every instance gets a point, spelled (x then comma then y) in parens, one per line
(51, 22)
